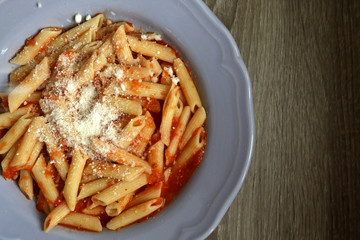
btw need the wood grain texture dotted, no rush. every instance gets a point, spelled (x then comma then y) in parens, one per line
(303, 61)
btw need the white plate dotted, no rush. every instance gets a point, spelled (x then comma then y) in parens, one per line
(224, 85)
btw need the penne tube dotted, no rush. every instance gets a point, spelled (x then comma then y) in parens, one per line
(96, 211)
(36, 77)
(130, 131)
(35, 45)
(27, 143)
(195, 144)
(14, 134)
(123, 105)
(82, 221)
(119, 155)
(152, 192)
(33, 97)
(34, 155)
(156, 160)
(88, 178)
(56, 216)
(115, 208)
(113, 170)
(138, 73)
(8, 119)
(121, 46)
(57, 155)
(106, 48)
(86, 72)
(7, 172)
(118, 190)
(154, 68)
(44, 180)
(197, 120)
(135, 213)
(178, 108)
(93, 187)
(187, 85)
(139, 89)
(93, 205)
(73, 178)
(41, 204)
(88, 49)
(94, 23)
(152, 49)
(26, 183)
(141, 141)
(170, 152)
(104, 31)
(168, 114)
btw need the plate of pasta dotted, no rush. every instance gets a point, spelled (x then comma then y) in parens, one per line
(128, 119)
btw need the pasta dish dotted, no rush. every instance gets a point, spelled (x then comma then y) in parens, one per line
(102, 123)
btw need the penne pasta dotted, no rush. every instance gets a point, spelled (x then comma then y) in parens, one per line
(56, 216)
(187, 85)
(73, 178)
(152, 49)
(133, 214)
(93, 187)
(118, 190)
(152, 192)
(57, 155)
(130, 131)
(115, 208)
(168, 114)
(170, 152)
(9, 173)
(82, 221)
(195, 122)
(105, 31)
(34, 155)
(36, 77)
(195, 144)
(142, 140)
(121, 46)
(26, 183)
(156, 160)
(138, 89)
(113, 170)
(35, 45)
(44, 180)
(8, 119)
(119, 155)
(27, 143)
(123, 105)
(14, 134)
(96, 211)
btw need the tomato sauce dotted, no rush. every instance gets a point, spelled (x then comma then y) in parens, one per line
(10, 172)
(180, 176)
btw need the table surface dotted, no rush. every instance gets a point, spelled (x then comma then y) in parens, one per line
(303, 61)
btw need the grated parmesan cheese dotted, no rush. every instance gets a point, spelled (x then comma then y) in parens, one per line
(119, 73)
(170, 71)
(78, 18)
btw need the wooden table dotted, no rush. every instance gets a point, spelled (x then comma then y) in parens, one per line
(303, 61)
